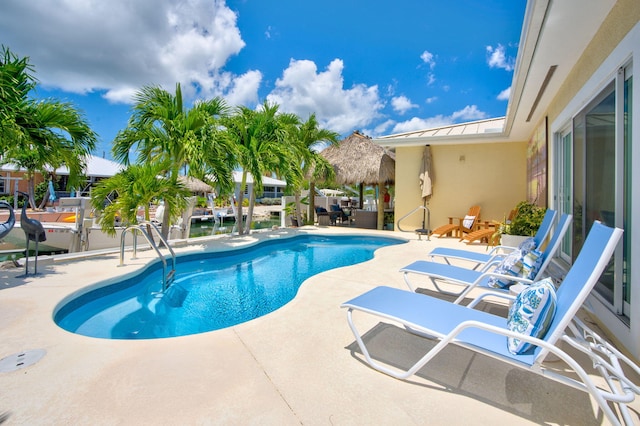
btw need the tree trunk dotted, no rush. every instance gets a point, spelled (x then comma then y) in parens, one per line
(298, 212)
(43, 203)
(252, 202)
(31, 190)
(238, 202)
(380, 208)
(312, 201)
(147, 218)
(166, 222)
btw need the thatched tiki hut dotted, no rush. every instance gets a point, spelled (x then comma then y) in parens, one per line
(195, 185)
(358, 161)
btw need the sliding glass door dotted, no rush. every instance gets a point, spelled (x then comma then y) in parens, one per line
(601, 180)
(563, 185)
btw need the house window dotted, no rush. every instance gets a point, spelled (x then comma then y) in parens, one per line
(3, 185)
(602, 180)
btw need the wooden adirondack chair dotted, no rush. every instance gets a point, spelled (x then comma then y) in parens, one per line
(459, 226)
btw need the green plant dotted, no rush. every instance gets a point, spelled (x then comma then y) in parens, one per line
(526, 221)
(202, 202)
(290, 208)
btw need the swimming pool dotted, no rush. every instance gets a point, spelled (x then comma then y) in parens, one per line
(211, 290)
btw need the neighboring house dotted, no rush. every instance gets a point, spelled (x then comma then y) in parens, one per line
(568, 141)
(97, 168)
(271, 187)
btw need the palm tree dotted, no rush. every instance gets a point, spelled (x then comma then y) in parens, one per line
(260, 138)
(16, 81)
(133, 188)
(162, 130)
(36, 134)
(307, 137)
(52, 134)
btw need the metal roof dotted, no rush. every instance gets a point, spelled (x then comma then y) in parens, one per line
(95, 167)
(475, 130)
(266, 180)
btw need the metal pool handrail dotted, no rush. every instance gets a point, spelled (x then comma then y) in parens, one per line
(167, 278)
(422, 231)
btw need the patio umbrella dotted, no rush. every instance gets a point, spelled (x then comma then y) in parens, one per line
(358, 161)
(426, 173)
(426, 182)
(52, 192)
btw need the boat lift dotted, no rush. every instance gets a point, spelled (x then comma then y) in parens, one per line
(81, 205)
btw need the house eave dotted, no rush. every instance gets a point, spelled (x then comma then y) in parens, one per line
(498, 137)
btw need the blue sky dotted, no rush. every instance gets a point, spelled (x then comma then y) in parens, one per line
(375, 66)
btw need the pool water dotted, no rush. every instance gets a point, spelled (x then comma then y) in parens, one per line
(211, 291)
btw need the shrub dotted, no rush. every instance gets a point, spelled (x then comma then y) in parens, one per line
(527, 219)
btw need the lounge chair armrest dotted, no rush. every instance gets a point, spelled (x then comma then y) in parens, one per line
(505, 249)
(494, 261)
(505, 276)
(480, 297)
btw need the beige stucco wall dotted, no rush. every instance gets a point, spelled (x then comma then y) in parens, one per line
(623, 17)
(492, 175)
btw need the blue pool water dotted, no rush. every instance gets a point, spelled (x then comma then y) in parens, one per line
(211, 291)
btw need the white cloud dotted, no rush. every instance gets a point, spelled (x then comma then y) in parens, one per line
(431, 100)
(391, 88)
(118, 46)
(244, 90)
(382, 127)
(303, 90)
(504, 95)
(402, 104)
(420, 123)
(468, 113)
(497, 58)
(428, 58)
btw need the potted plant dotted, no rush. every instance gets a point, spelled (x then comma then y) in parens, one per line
(524, 224)
(291, 211)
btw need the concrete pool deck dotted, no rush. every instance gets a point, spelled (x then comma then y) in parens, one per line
(297, 365)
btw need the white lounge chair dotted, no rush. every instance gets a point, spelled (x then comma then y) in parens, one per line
(471, 278)
(487, 334)
(481, 259)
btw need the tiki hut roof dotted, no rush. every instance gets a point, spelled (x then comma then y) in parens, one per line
(195, 184)
(358, 160)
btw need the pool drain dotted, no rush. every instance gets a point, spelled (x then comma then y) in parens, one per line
(21, 360)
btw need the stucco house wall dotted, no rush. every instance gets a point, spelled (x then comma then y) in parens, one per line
(491, 175)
